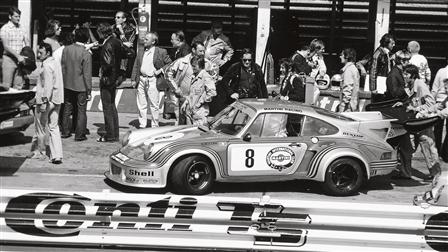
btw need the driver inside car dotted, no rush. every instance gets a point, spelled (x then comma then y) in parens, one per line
(275, 125)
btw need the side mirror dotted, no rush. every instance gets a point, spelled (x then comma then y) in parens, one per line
(247, 137)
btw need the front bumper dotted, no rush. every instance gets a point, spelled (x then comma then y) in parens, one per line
(16, 124)
(135, 173)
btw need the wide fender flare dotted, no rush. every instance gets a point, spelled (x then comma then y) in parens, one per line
(331, 156)
(211, 154)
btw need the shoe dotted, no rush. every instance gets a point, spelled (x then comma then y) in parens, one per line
(37, 156)
(56, 161)
(105, 140)
(435, 169)
(66, 136)
(81, 139)
(429, 178)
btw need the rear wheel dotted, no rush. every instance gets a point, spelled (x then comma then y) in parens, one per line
(192, 175)
(343, 177)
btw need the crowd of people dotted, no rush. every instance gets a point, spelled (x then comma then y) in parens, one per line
(193, 78)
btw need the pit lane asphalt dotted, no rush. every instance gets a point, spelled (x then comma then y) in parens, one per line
(85, 162)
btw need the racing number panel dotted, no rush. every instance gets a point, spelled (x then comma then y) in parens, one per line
(279, 156)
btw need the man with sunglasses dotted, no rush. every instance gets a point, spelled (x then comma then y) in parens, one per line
(245, 79)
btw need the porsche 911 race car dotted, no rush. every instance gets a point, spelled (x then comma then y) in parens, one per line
(256, 140)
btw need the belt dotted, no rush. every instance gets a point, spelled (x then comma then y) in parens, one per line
(147, 76)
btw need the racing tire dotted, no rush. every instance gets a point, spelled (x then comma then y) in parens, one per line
(343, 177)
(192, 175)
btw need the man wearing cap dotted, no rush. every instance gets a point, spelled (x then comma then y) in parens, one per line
(217, 45)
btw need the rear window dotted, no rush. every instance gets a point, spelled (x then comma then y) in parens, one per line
(333, 115)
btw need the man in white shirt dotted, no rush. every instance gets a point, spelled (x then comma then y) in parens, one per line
(49, 96)
(13, 38)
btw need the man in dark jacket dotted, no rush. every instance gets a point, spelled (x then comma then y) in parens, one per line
(110, 78)
(396, 90)
(181, 48)
(76, 65)
(381, 63)
(245, 79)
(300, 59)
(395, 85)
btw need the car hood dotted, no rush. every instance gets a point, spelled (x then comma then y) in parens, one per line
(168, 134)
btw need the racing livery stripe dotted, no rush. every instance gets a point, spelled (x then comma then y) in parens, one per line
(316, 160)
(180, 147)
(317, 164)
(160, 152)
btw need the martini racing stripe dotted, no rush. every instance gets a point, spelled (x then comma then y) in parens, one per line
(160, 152)
(317, 159)
(179, 148)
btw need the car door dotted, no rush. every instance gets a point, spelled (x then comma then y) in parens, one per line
(275, 147)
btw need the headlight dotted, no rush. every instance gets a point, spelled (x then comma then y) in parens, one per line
(386, 156)
(125, 139)
(139, 152)
(147, 150)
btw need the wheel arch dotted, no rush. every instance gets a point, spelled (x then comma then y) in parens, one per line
(338, 154)
(186, 153)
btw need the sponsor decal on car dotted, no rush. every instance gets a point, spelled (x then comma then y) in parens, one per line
(280, 158)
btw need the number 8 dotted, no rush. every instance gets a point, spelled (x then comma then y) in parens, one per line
(250, 158)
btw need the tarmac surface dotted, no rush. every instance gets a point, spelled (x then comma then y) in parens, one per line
(85, 162)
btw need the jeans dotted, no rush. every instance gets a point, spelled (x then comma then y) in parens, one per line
(405, 151)
(12, 76)
(442, 145)
(110, 112)
(77, 101)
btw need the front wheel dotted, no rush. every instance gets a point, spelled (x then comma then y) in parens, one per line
(343, 177)
(192, 175)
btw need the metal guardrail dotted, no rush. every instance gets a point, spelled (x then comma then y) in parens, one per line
(207, 222)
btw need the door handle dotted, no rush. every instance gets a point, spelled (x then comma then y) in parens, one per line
(295, 145)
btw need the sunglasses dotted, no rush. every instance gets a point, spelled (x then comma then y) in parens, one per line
(247, 60)
(119, 17)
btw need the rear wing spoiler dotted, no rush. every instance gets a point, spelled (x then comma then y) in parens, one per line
(375, 123)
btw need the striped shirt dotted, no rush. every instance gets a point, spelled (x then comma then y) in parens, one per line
(14, 36)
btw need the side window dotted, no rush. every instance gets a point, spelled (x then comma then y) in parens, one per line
(257, 126)
(316, 127)
(274, 125)
(294, 125)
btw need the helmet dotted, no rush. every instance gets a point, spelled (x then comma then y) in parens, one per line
(323, 82)
(336, 81)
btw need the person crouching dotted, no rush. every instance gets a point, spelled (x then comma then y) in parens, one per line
(202, 90)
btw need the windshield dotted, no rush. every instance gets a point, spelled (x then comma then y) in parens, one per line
(232, 120)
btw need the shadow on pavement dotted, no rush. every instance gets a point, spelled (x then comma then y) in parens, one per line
(304, 186)
(14, 139)
(10, 165)
(136, 125)
(377, 183)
